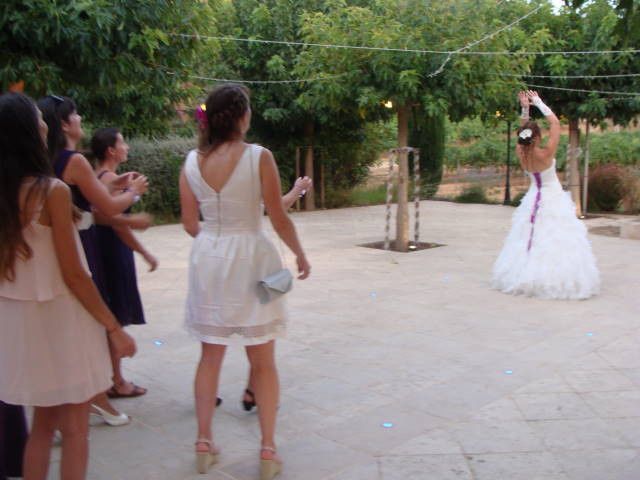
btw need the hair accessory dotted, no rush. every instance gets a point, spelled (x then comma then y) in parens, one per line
(526, 134)
(56, 98)
(201, 116)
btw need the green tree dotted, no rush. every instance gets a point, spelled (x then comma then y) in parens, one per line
(587, 26)
(434, 84)
(280, 119)
(115, 57)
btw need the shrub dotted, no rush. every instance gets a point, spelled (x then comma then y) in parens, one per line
(473, 194)
(607, 188)
(517, 200)
(161, 161)
(631, 201)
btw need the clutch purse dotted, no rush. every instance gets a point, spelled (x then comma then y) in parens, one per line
(275, 285)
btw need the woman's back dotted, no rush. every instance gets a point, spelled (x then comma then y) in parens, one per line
(234, 207)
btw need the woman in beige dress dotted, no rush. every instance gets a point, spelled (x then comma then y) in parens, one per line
(54, 354)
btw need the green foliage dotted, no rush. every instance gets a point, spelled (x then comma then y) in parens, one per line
(592, 25)
(161, 161)
(428, 133)
(111, 56)
(368, 78)
(466, 130)
(368, 196)
(489, 148)
(473, 194)
(517, 200)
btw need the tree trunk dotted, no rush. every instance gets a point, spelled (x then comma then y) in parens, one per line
(573, 160)
(402, 214)
(585, 181)
(309, 198)
(297, 175)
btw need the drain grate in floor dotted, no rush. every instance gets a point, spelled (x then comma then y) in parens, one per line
(412, 246)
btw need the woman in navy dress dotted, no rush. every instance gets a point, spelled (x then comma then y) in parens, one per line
(116, 245)
(13, 438)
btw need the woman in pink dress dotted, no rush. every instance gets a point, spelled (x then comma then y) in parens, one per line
(54, 354)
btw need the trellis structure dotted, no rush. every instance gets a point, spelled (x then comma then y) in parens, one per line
(393, 160)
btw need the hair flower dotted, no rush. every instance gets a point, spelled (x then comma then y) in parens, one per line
(201, 116)
(526, 134)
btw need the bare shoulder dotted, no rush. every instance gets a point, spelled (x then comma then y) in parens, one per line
(59, 191)
(78, 158)
(266, 155)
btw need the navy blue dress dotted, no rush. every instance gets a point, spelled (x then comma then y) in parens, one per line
(13, 438)
(120, 276)
(89, 236)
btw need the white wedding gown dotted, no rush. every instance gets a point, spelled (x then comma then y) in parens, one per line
(547, 253)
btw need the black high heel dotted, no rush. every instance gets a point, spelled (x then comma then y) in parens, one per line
(249, 405)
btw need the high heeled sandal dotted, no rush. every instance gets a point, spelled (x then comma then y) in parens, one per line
(249, 405)
(204, 460)
(110, 418)
(271, 467)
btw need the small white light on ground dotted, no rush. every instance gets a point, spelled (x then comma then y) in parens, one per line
(387, 425)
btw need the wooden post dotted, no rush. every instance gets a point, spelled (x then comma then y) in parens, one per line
(573, 163)
(309, 200)
(322, 190)
(298, 174)
(507, 185)
(402, 213)
(585, 182)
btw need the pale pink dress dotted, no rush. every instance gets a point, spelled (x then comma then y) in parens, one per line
(52, 351)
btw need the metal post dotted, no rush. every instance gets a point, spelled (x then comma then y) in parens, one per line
(507, 185)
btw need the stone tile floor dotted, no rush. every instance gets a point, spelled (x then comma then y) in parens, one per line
(401, 366)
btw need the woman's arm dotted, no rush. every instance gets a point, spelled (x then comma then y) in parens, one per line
(282, 224)
(80, 173)
(554, 123)
(300, 187)
(189, 209)
(130, 240)
(60, 210)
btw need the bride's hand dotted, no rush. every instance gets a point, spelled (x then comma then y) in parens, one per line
(532, 95)
(524, 99)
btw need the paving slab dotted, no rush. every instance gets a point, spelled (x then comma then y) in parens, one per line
(400, 366)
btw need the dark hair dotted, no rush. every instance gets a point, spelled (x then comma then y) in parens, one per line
(225, 107)
(23, 154)
(535, 133)
(102, 139)
(55, 110)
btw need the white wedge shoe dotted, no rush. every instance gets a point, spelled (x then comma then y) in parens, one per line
(109, 418)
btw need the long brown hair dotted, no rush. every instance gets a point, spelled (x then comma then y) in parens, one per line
(225, 107)
(23, 155)
(527, 144)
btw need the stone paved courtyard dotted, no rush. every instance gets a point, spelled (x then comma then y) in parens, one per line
(400, 366)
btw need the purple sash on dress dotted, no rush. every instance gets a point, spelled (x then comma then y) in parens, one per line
(536, 206)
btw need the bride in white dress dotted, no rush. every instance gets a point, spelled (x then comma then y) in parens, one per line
(547, 253)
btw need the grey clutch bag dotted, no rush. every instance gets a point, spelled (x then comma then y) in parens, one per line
(275, 285)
